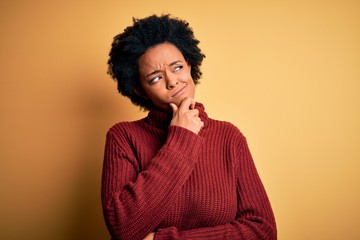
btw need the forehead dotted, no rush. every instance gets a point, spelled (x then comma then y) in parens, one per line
(159, 55)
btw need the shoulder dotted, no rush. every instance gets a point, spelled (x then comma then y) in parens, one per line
(225, 127)
(124, 129)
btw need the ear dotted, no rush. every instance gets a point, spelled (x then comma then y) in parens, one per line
(140, 92)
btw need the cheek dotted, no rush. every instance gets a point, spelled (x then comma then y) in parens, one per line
(186, 76)
(156, 92)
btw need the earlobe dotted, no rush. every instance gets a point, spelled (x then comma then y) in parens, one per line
(138, 91)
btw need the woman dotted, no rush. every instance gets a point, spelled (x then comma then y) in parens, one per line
(176, 174)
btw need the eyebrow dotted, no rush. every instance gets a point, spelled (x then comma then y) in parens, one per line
(157, 71)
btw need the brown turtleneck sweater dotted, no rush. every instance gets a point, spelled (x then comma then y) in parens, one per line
(181, 185)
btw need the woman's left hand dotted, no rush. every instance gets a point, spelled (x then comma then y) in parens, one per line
(150, 236)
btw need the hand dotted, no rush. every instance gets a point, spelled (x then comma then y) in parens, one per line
(150, 236)
(186, 116)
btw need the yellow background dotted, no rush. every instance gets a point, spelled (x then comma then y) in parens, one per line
(287, 73)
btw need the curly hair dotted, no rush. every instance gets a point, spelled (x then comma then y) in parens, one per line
(145, 33)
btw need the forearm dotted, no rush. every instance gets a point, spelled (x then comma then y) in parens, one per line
(242, 229)
(254, 218)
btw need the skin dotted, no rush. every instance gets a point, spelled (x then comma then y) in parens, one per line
(163, 71)
(150, 236)
(165, 79)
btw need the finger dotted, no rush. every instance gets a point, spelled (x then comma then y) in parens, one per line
(201, 123)
(194, 112)
(174, 108)
(185, 104)
(193, 102)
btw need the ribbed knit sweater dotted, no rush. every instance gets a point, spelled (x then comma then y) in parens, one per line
(180, 185)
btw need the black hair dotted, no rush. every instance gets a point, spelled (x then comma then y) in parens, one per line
(145, 33)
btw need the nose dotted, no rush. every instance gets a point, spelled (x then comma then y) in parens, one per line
(171, 80)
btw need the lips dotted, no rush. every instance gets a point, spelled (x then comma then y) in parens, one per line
(178, 92)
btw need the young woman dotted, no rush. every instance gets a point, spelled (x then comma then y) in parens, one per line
(176, 174)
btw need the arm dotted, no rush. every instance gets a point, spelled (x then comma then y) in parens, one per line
(135, 203)
(255, 219)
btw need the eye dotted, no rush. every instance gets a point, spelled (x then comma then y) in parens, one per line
(154, 80)
(177, 68)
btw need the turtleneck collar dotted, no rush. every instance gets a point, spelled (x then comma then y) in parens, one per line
(162, 119)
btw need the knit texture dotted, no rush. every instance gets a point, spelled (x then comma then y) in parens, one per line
(180, 185)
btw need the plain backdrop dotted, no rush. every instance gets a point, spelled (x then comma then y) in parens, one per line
(287, 73)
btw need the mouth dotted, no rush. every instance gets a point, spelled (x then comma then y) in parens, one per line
(178, 93)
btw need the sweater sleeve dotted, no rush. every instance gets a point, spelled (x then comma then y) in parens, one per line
(255, 219)
(134, 204)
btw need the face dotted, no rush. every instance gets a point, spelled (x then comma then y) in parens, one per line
(165, 76)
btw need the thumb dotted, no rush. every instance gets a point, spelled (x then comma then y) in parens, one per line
(174, 107)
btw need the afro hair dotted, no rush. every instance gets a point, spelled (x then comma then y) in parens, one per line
(145, 33)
